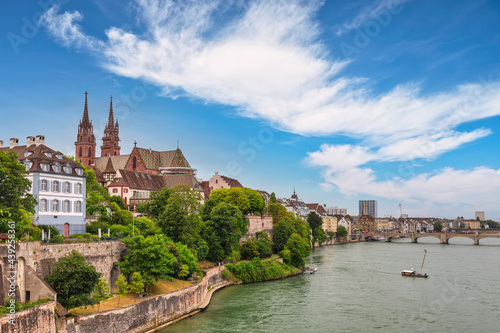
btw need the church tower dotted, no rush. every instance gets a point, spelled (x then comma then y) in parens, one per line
(85, 140)
(110, 139)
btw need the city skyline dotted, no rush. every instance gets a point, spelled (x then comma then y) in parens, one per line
(344, 102)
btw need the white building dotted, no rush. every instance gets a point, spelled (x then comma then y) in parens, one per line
(58, 184)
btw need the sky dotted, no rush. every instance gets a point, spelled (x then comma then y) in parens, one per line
(390, 100)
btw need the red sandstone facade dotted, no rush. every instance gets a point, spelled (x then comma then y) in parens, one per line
(85, 139)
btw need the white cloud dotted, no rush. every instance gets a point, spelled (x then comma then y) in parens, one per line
(269, 64)
(371, 12)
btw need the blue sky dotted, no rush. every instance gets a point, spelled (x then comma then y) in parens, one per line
(393, 100)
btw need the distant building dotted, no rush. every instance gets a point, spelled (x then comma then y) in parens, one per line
(367, 223)
(257, 223)
(368, 207)
(335, 210)
(480, 216)
(295, 205)
(58, 184)
(329, 223)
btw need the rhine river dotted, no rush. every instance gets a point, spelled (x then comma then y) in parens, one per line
(359, 288)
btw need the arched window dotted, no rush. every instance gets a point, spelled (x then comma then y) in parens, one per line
(134, 163)
(115, 190)
(55, 186)
(90, 152)
(44, 185)
(79, 188)
(66, 187)
(43, 205)
(78, 206)
(81, 152)
(55, 205)
(66, 206)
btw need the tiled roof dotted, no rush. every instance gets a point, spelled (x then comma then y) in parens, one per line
(172, 180)
(232, 182)
(109, 167)
(138, 181)
(42, 154)
(317, 207)
(162, 159)
(119, 162)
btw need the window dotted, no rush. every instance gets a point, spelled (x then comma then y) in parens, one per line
(134, 163)
(66, 187)
(43, 205)
(79, 188)
(55, 186)
(115, 190)
(48, 154)
(125, 190)
(56, 168)
(55, 205)
(79, 171)
(78, 207)
(216, 181)
(44, 185)
(66, 206)
(67, 169)
(90, 152)
(81, 152)
(45, 166)
(59, 156)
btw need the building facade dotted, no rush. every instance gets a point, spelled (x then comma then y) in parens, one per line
(57, 183)
(368, 207)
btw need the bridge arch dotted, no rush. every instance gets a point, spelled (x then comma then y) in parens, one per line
(435, 236)
(460, 236)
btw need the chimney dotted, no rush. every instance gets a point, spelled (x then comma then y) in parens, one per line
(14, 142)
(30, 141)
(40, 140)
(1, 143)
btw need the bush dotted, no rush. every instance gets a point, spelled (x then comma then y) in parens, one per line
(257, 270)
(58, 239)
(118, 230)
(87, 235)
(77, 236)
(225, 274)
(46, 228)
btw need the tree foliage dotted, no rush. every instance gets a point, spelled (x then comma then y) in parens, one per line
(150, 257)
(314, 220)
(277, 211)
(299, 249)
(158, 200)
(247, 200)
(281, 234)
(319, 235)
(101, 292)
(224, 230)
(438, 226)
(249, 249)
(273, 198)
(73, 279)
(122, 287)
(342, 231)
(137, 283)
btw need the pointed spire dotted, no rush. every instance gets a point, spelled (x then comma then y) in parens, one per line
(85, 119)
(111, 122)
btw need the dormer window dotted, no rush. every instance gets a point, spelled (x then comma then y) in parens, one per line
(67, 169)
(27, 153)
(56, 168)
(48, 154)
(44, 166)
(79, 171)
(59, 156)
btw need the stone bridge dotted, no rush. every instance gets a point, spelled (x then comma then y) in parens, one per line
(443, 237)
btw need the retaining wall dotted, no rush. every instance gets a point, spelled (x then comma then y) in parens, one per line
(38, 319)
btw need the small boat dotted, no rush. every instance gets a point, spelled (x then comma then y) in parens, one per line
(374, 238)
(309, 270)
(413, 274)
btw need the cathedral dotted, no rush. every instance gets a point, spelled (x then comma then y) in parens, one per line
(136, 175)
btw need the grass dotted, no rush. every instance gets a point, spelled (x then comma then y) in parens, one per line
(159, 288)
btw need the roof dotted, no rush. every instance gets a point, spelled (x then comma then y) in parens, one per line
(232, 182)
(40, 154)
(153, 159)
(172, 180)
(109, 167)
(138, 181)
(118, 162)
(317, 207)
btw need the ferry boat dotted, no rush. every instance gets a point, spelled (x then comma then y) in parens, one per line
(309, 270)
(413, 273)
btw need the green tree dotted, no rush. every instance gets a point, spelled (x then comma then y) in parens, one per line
(224, 229)
(237, 196)
(118, 200)
(438, 226)
(183, 272)
(265, 244)
(298, 248)
(188, 200)
(16, 203)
(249, 249)
(281, 235)
(145, 226)
(318, 236)
(330, 235)
(150, 257)
(186, 257)
(256, 201)
(122, 288)
(219, 195)
(277, 211)
(206, 209)
(273, 198)
(73, 279)
(314, 220)
(137, 283)
(101, 292)
(158, 200)
(342, 231)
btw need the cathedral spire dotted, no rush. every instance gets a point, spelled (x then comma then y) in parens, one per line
(85, 119)
(111, 122)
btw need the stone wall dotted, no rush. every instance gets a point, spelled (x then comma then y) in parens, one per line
(38, 319)
(149, 313)
(257, 223)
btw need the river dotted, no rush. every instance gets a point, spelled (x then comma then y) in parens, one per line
(359, 288)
